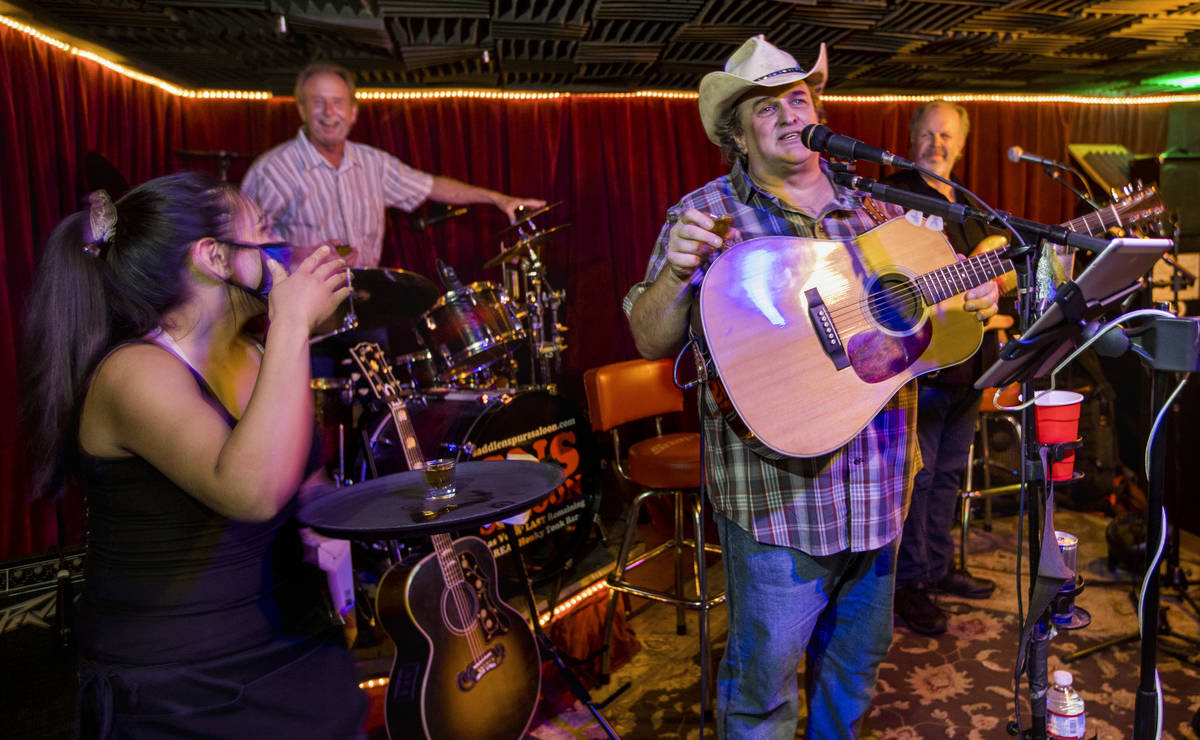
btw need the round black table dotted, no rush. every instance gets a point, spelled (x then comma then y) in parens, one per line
(395, 506)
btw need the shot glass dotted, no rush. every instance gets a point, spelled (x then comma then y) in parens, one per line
(439, 477)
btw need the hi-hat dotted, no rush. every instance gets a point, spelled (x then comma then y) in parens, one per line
(519, 248)
(526, 218)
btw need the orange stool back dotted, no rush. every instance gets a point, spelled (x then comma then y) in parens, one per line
(661, 465)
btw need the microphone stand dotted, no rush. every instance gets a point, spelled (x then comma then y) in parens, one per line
(958, 213)
(1053, 173)
(1022, 255)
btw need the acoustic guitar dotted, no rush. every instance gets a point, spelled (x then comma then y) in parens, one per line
(810, 338)
(467, 664)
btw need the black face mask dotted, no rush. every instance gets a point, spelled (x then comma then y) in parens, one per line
(281, 252)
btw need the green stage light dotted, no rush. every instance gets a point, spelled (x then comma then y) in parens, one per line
(1184, 80)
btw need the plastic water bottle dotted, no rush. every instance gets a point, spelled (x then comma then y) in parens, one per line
(1065, 718)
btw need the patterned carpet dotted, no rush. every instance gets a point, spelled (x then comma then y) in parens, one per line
(956, 685)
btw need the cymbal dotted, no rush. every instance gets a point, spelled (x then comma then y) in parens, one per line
(395, 505)
(522, 245)
(217, 153)
(383, 295)
(526, 218)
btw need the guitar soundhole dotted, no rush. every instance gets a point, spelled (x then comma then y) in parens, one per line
(895, 303)
(459, 608)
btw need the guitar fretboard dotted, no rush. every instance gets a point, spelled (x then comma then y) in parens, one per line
(1097, 222)
(953, 279)
(948, 281)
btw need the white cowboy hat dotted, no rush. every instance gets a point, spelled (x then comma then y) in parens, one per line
(756, 63)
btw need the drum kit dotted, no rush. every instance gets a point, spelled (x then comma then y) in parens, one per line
(475, 371)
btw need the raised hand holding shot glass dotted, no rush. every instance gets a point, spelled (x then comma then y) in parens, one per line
(343, 249)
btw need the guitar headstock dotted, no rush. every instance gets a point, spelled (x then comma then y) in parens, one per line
(377, 370)
(1140, 207)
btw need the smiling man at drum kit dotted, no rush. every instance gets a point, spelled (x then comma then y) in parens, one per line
(320, 188)
(808, 543)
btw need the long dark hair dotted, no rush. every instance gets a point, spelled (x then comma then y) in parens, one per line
(90, 294)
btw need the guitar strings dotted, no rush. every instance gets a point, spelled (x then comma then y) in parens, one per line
(846, 313)
(449, 570)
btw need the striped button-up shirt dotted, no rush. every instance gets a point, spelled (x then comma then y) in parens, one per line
(312, 202)
(853, 498)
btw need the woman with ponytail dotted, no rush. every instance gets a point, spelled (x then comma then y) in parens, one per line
(190, 441)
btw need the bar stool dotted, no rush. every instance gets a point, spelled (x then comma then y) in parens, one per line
(988, 463)
(662, 465)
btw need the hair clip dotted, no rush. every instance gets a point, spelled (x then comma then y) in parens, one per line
(102, 223)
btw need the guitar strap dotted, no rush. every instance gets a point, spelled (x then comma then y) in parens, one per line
(870, 206)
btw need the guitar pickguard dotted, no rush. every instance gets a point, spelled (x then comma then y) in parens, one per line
(877, 356)
(492, 621)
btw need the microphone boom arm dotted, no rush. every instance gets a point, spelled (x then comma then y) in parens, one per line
(957, 212)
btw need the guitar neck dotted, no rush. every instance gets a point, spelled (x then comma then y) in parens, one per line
(406, 434)
(1096, 222)
(949, 281)
(443, 545)
(370, 359)
(953, 279)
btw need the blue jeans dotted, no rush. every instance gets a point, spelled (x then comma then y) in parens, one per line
(784, 606)
(945, 427)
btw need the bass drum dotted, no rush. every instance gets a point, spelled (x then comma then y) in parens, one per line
(515, 425)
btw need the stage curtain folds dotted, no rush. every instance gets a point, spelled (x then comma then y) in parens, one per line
(616, 163)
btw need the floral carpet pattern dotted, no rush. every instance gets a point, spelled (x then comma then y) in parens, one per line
(956, 685)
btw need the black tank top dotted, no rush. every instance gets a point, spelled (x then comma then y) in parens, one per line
(168, 579)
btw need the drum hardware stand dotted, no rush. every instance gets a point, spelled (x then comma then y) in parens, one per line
(546, 645)
(527, 283)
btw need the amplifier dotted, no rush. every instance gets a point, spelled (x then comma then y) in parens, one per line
(23, 579)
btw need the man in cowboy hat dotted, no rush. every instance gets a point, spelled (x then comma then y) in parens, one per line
(809, 543)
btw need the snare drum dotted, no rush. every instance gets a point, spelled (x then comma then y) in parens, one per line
(469, 329)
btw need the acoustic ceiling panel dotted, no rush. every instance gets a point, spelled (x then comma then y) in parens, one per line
(1109, 46)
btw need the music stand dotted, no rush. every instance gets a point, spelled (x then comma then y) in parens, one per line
(1057, 331)
(1115, 273)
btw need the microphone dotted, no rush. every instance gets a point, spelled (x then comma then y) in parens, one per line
(1017, 154)
(425, 222)
(820, 139)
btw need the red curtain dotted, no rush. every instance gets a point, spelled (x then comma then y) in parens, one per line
(616, 163)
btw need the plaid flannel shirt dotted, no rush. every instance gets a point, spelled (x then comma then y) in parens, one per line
(853, 498)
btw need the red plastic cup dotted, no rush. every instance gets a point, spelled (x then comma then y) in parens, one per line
(1056, 414)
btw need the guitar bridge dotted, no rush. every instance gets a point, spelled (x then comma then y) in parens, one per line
(827, 335)
(491, 659)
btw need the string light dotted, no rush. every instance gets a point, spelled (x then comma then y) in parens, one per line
(485, 94)
(426, 94)
(574, 601)
(373, 683)
(133, 74)
(1014, 98)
